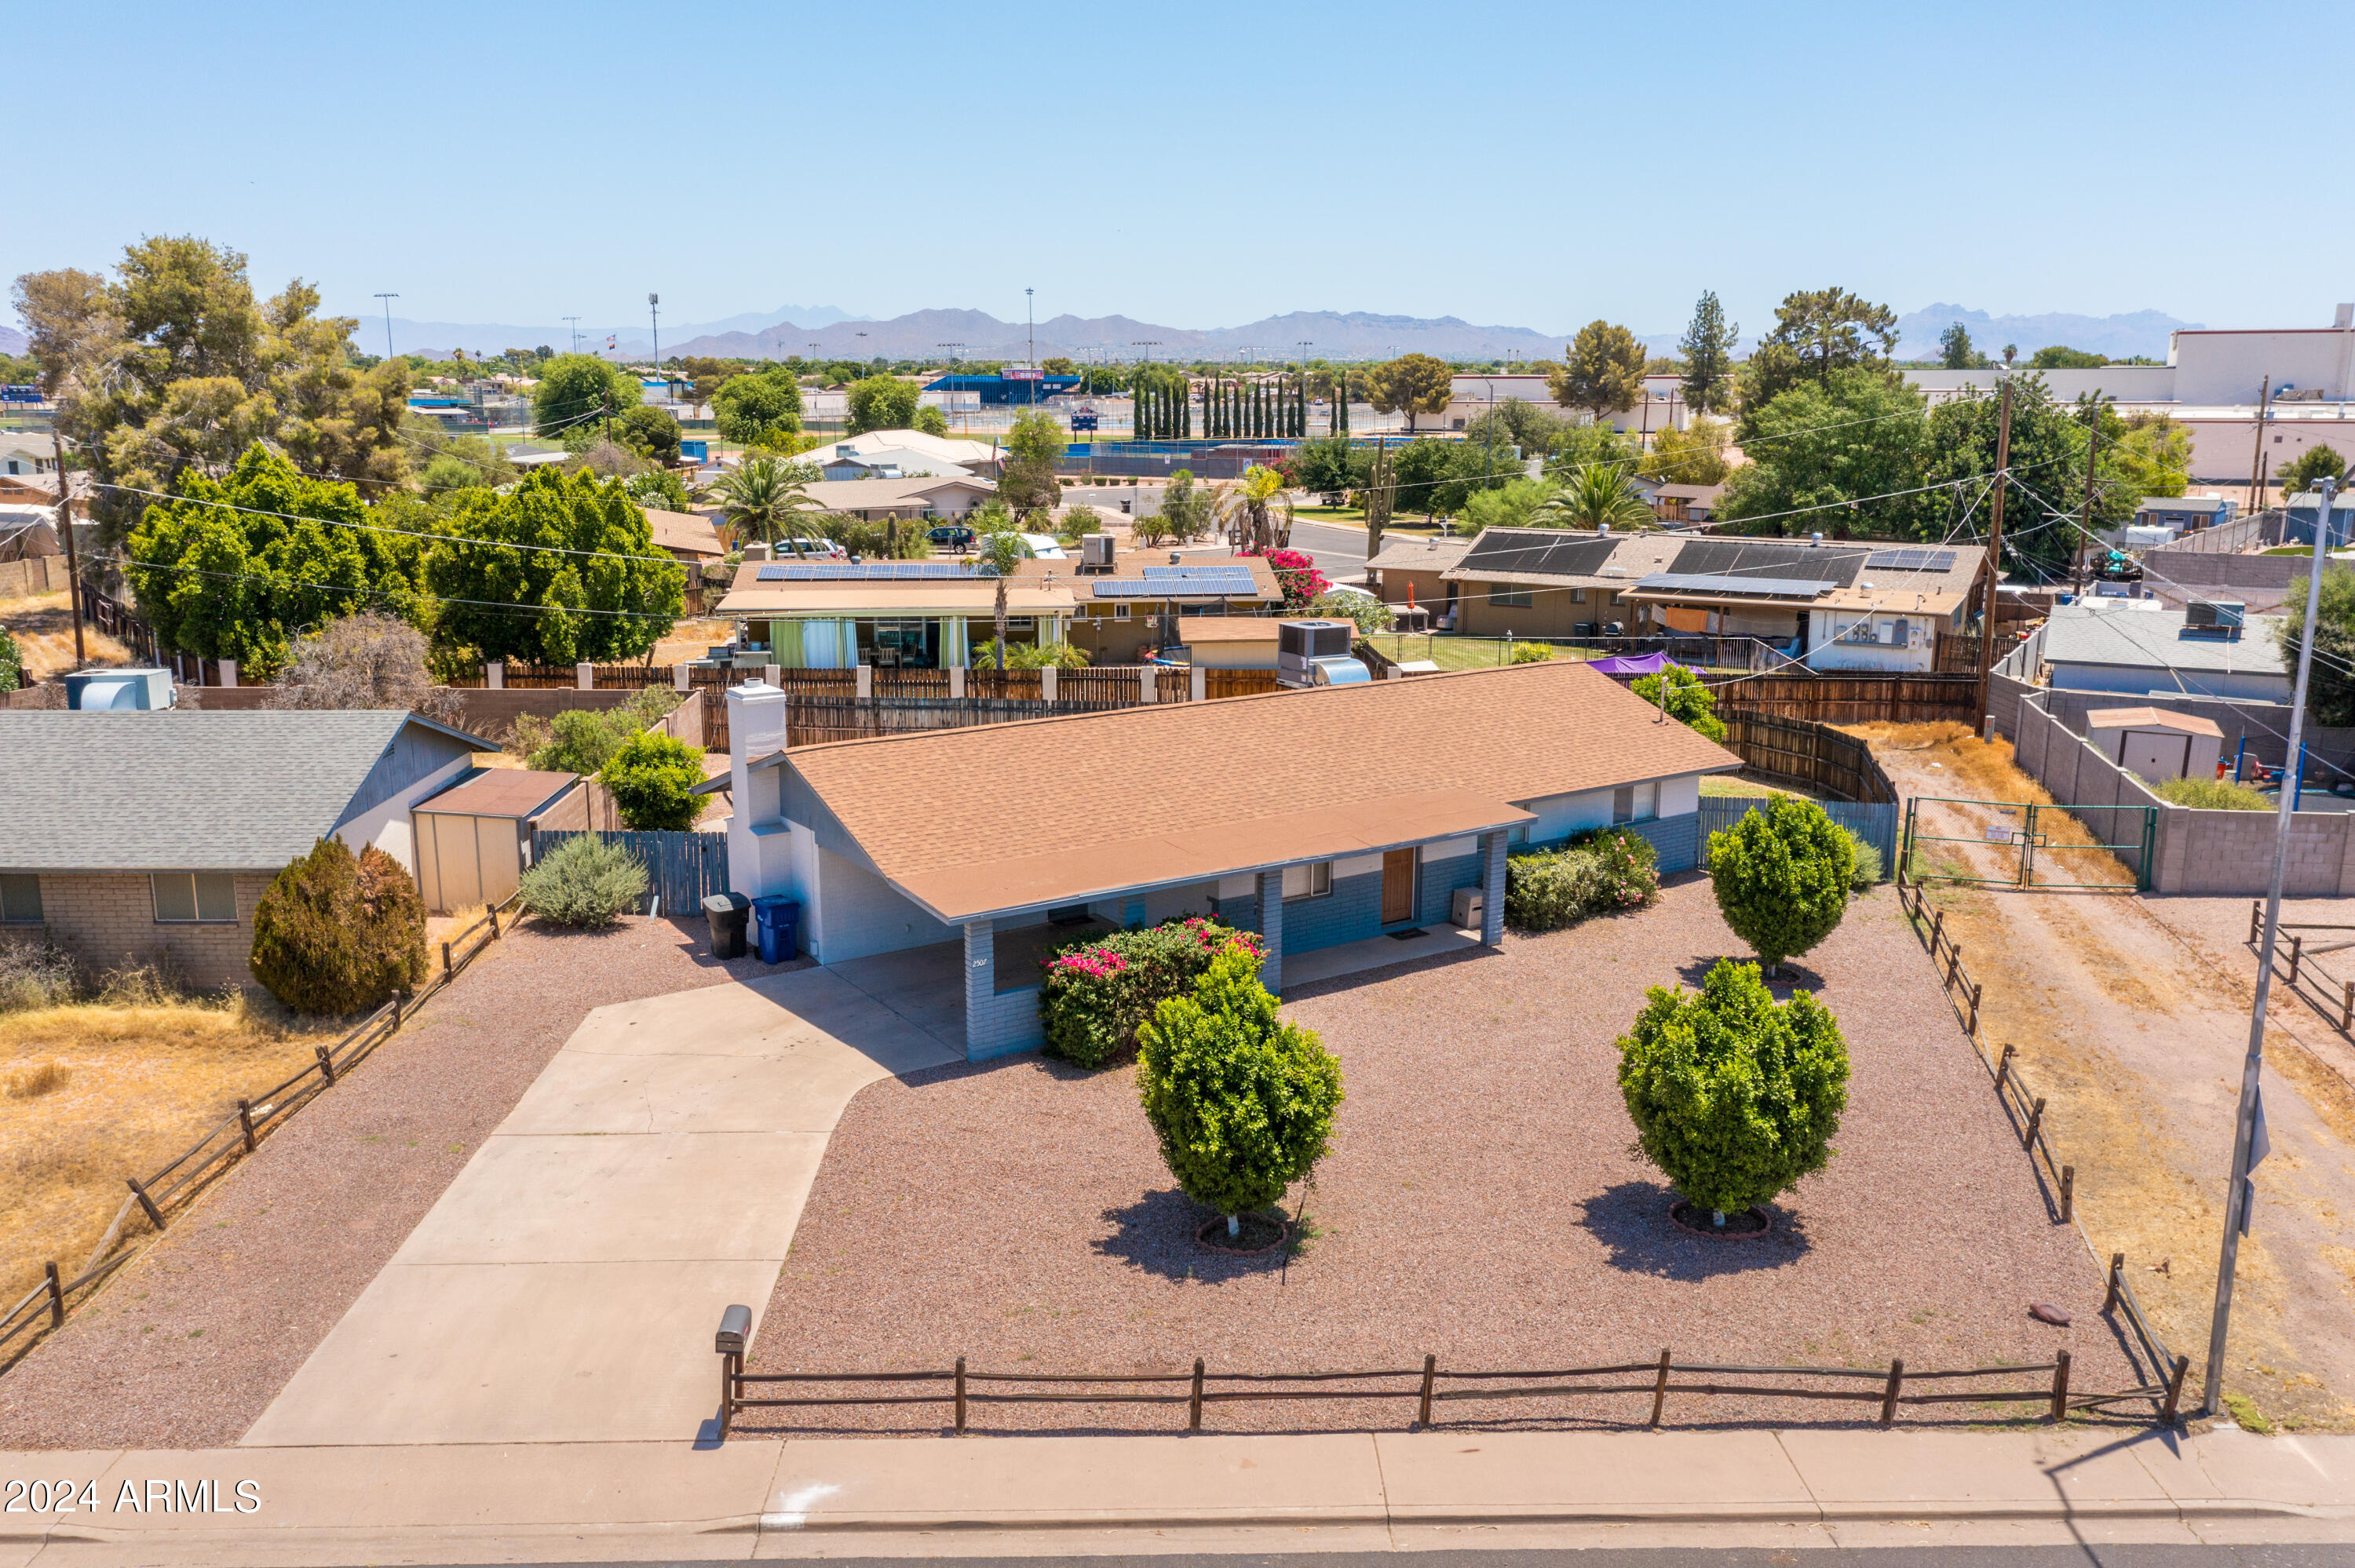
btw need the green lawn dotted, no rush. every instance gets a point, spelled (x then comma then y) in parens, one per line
(1731, 784)
(1452, 652)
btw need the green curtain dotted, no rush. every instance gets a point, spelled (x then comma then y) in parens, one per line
(1050, 630)
(954, 652)
(785, 644)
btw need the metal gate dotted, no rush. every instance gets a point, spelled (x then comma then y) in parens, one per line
(2022, 831)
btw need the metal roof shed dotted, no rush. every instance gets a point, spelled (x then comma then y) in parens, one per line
(474, 839)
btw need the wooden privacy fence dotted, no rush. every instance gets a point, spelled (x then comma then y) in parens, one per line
(1840, 698)
(812, 721)
(163, 1191)
(682, 868)
(121, 623)
(1809, 752)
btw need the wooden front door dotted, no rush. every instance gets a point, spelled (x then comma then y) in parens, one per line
(1397, 887)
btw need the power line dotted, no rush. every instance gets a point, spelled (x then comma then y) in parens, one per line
(380, 528)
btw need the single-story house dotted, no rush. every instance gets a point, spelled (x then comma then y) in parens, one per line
(1148, 597)
(924, 615)
(1552, 582)
(1283, 832)
(2184, 514)
(25, 453)
(473, 836)
(2140, 652)
(926, 500)
(688, 537)
(1230, 641)
(2154, 744)
(149, 837)
(2298, 514)
(1686, 503)
(1411, 570)
(943, 455)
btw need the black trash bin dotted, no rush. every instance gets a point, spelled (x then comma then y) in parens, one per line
(727, 913)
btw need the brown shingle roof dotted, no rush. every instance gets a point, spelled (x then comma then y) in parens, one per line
(688, 531)
(501, 792)
(1271, 776)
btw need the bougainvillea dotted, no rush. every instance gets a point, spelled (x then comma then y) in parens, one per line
(1296, 572)
(1094, 993)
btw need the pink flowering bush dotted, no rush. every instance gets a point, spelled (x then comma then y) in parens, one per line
(1296, 572)
(1601, 872)
(1094, 993)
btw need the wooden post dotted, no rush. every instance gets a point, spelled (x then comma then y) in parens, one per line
(2174, 1391)
(1660, 1386)
(1954, 961)
(2068, 1193)
(2061, 1386)
(1937, 931)
(2003, 1069)
(1889, 1395)
(1975, 1007)
(2117, 1272)
(2297, 956)
(1429, 1374)
(154, 1214)
(447, 972)
(57, 1297)
(327, 1065)
(2035, 1117)
(2347, 1011)
(1194, 1406)
(960, 1393)
(245, 1120)
(494, 925)
(2256, 917)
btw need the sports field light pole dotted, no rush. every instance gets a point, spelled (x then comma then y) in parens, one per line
(2249, 1117)
(387, 299)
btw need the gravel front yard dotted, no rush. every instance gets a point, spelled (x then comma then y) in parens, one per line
(1481, 1203)
(191, 1342)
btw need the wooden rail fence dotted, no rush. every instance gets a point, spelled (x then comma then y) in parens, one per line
(178, 1183)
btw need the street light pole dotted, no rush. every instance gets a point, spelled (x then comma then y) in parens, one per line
(574, 322)
(387, 299)
(2249, 1116)
(654, 310)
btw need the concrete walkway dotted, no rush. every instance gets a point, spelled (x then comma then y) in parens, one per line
(1054, 1495)
(565, 1288)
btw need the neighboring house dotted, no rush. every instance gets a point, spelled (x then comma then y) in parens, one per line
(149, 837)
(1412, 569)
(2184, 514)
(1686, 503)
(1150, 598)
(25, 453)
(2298, 514)
(688, 537)
(1552, 582)
(923, 615)
(26, 531)
(846, 460)
(2150, 652)
(944, 455)
(1282, 832)
(927, 499)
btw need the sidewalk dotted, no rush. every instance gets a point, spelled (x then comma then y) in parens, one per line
(1061, 1496)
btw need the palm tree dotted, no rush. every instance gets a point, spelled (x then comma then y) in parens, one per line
(995, 556)
(1597, 495)
(763, 497)
(1244, 508)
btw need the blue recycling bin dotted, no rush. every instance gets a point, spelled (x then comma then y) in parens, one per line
(778, 922)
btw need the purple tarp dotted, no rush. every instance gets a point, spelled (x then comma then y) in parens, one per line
(1647, 664)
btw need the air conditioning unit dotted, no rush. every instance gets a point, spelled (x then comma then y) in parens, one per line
(2214, 615)
(1095, 553)
(1300, 644)
(1466, 911)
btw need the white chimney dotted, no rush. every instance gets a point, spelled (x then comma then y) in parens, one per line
(2344, 318)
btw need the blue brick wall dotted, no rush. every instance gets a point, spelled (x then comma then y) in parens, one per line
(1441, 878)
(1350, 913)
(1676, 838)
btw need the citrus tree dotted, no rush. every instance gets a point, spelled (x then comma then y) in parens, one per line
(1690, 701)
(1781, 877)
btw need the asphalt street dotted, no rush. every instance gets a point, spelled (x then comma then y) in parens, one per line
(1340, 552)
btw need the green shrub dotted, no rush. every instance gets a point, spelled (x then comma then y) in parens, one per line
(1734, 1097)
(1782, 875)
(2215, 795)
(1532, 653)
(12, 662)
(653, 779)
(1093, 993)
(1598, 873)
(583, 740)
(1242, 1101)
(1868, 863)
(584, 883)
(1690, 702)
(339, 933)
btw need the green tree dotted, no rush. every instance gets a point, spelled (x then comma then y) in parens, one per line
(337, 934)
(1418, 469)
(1601, 372)
(1413, 384)
(652, 778)
(581, 391)
(1328, 467)
(758, 409)
(1694, 455)
(1240, 1099)
(1594, 497)
(1735, 1098)
(1859, 436)
(650, 432)
(997, 555)
(12, 661)
(2330, 688)
(230, 568)
(1690, 701)
(883, 403)
(1956, 351)
(2317, 462)
(765, 498)
(1516, 422)
(1513, 505)
(2048, 468)
(1707, 348)
(2060, 357)
(931, 421)
(1593, 445)
(2153, 456)
(660, 490)
(1033, 446)
(1782, 876)
(590, 587)
(1817, 333)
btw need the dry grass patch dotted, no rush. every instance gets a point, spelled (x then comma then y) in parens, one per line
(93, 1092)
(1984, 770)
(42, 624)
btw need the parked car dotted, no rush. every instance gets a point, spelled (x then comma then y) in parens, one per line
(1041, 547)
(950, 537)
(824, 548)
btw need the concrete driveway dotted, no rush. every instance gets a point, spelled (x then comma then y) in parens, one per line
(566, 1286)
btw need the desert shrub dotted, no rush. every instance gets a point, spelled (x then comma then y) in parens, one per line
(1599, 872)
(1242, 1101)
(653, 779)
(583, 740)
(32, 1082)
(36, 974)
(584, 882)
(2215, 795)
(1782, 875)
(1095, 993)
(1532, 653)
(1735, 1097)
(339, 933)
(1690, 702)
(12, 662)
(1868, 863)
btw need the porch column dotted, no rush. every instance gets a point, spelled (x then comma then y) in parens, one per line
(1144, 692)
(1202, 684)
(228, 672)
(980, 987)
(1270, 929)
(956, 681)
(1492, 889)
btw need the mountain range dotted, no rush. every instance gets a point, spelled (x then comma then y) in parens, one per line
(2120, 337)
(438, 338)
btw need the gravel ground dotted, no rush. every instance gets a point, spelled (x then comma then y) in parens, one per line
(189, 1344)
(1481, 1203)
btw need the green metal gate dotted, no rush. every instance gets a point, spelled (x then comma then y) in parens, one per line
(2020, 826)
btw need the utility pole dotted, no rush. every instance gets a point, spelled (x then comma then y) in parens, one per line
(1030, 317)
(65, 526)
(2086, 511)
(654, 310)
(387, 299)
(1995, 551)
(2249, 1116)
(574, 322)
(2257, 463)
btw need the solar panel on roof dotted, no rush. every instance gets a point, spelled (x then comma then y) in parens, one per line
(1911, 561)
(863, 571)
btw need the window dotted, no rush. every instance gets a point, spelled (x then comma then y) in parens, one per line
(1507, 594)
(1119, 610)
(190, 897)
(1635, 803)
(20, 900)
(1313, 881)
(1578, 596)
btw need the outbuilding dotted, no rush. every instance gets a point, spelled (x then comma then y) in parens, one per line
(2154, 745)
(474, 839)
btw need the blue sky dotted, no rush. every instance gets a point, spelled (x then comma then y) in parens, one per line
(1198, 165)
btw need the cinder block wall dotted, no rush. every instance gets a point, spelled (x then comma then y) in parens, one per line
(108, 921)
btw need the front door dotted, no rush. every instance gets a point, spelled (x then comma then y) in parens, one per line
(1397, 887)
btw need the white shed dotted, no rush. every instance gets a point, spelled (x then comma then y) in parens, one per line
(2154, 744)
(474, 839)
